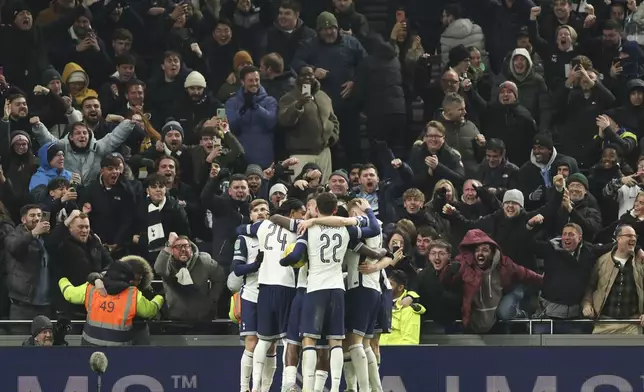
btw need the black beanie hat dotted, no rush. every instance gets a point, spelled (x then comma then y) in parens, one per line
(544, 140)
(52, 151)
(457, 54)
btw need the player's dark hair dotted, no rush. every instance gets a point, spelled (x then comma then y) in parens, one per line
(327, 203)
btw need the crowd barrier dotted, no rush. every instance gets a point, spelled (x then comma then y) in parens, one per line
(530, 323)
(403, 369)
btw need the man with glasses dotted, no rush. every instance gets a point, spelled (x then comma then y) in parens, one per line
(614, 290)
(443, 305)
(192, 280)
(432, 160)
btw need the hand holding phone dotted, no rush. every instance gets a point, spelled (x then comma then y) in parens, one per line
(221, 113)
(306, 89)
(46, 216)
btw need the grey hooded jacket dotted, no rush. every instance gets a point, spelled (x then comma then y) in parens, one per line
(88, 161)
(196, 301)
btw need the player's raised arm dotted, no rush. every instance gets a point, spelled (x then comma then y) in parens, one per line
(298, 251)
(362, 249)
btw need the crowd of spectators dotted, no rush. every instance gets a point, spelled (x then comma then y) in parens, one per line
(521, 195)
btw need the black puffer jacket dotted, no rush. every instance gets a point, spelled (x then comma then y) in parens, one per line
(227, 215)
(24, 255)
(74, 260)
(378, 84)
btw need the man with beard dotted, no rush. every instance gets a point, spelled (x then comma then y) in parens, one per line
(252, 115)
(15, 117)
(577, 208)
(158, 216)
(228, 212)
(42, 332)
(76, 252)
(194, 105)
(30, 270)
(192, 280)
(288, 31)
(83, 152)
(171, 145)
(614, 289)
(489, 280)
(443, 305)
(605, 50)
(506, 119)
(168, 167)
(534, 178)
(110, 202)
(311, 127)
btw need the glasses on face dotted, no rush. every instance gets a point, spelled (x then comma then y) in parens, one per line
(181, 246)
(433, 136)
(439, 254)
(631, 236)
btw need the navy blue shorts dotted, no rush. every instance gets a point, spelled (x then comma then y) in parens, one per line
(383, 321)
(363, 306)
(323, 315)
(294, 318)
(273, 308)
(248, 325)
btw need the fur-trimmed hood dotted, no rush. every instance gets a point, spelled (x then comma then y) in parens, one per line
(120, 273)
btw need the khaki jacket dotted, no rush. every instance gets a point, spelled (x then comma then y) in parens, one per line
(603, 277)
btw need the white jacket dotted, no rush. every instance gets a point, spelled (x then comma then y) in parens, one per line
(462, 32)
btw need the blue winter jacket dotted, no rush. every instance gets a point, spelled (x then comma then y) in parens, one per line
(254, 126)
(45, 172)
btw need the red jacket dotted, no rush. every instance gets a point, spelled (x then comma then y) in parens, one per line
(511, 273)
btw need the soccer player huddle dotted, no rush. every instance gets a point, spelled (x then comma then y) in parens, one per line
(316, 281)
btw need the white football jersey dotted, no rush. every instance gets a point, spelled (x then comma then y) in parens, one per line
(356, 279)
(327, 247)
(250, 287)
(385, 280)
(273, 240)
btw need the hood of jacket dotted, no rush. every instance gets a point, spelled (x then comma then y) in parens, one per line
(120, 273)
(541, 165)
(631, 85)
(378, 48)
(459, 29)
(524, 53)
(470, 241)
(86, 91)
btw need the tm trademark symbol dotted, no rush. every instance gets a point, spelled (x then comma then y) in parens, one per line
(184, 382)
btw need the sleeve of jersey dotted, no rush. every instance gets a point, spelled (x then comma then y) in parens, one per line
(298, 251)
(372, 230)
(72, 294)
(240, 257)
(250, 230)
(146, 308)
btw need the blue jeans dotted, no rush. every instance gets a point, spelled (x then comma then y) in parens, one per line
(509, 308)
